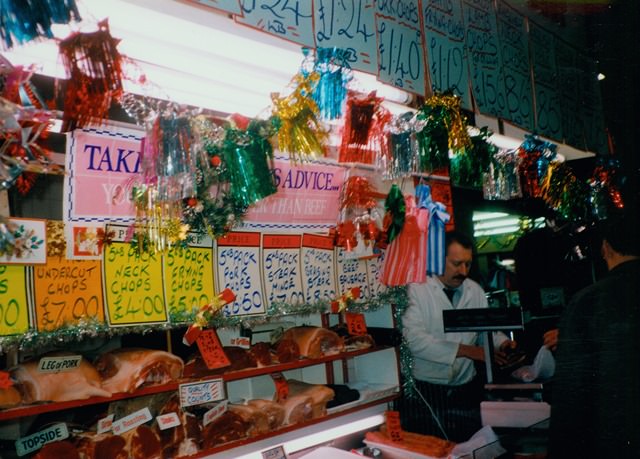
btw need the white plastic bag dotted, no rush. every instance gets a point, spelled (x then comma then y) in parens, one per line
(543, 367)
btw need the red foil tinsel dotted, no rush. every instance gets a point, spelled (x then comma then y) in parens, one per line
(363, 134)
(94, 67)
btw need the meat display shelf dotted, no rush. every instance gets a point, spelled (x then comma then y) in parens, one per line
(292, 427)
(35, 409)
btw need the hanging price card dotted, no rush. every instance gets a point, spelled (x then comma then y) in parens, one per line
(394, 429)
(133, 286)
(481, 38)
(291, 19)
(446, 55)
(545, 79)
(401, 60)
(356, 324)
(570, 90)
(66, 291)
(228, 6)
(188, 275)
(14, 310)
(281, 268)
(319, 275)
(350, 27)
(211, 350)
(352, 272)
(514, 55)
(238, 263)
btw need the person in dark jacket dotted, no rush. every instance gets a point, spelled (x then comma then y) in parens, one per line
(595, 405)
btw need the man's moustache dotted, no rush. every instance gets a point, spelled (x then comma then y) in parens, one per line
(460, 277)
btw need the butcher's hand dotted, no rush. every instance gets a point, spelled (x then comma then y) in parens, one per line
(502, 354)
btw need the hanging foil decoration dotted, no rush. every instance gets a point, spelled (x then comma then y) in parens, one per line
(214, 209)
(441, 127)
(357, 229)
(24, 120)
(363, 134)
(22, 21)
(535, 157)
(563, 192)
(403, 148)
(247, 156)
(604, 188)
(501, 181)
(334, 73)
(466, 168)
(170, 164)
(395, 208)
(296, 116)
(94, 69)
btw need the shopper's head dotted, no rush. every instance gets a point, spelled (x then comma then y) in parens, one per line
(620, 237)
(459, 253)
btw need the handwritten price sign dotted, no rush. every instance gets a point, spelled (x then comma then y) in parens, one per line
(352, 272)
(211, 350)
(133, 286)
(514, 54)
(350, 27)
(446, 56)
(228, 6)
(188, 277)
(238, 262)
(401, 61)
(14, 310)
(374, 273)
(319, 275)
(484, 56)
(281, 268)
(66, 291)
(289, 19)
(545, 75)
(356, 324)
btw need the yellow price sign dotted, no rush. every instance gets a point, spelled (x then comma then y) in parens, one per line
(66, 291)
(188, 278)
(133, 287)
(14, 310)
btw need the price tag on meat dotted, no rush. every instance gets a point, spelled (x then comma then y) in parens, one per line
(66, 291)
(14, 310)
(58, 364)
(36, 441)
(167, 421)
(215, 412)
(133, 285)
(274, 453)
(192, 394)
(356, 323)
(394, 429)
(211, 350)
(238, 262)
(105, 424)
(131, 421)
(282, 386)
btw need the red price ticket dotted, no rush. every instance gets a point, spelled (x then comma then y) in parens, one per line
(282, 386)
(356, 324)
(211, 350)
(394, 429)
